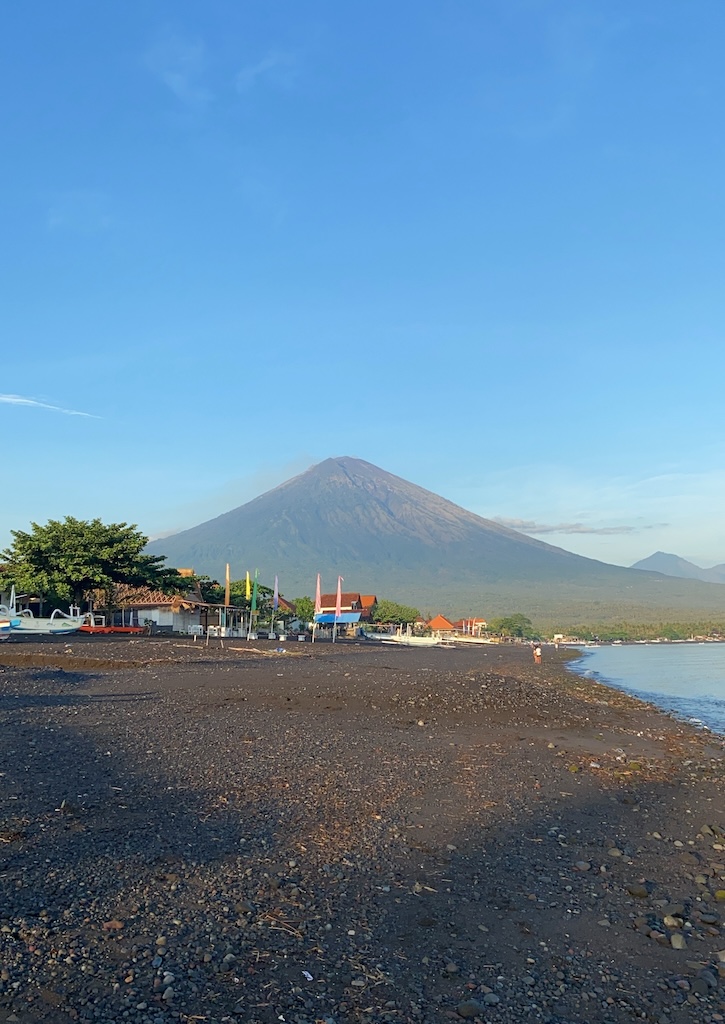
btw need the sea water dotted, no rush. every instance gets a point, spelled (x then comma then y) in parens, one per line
(688, 680)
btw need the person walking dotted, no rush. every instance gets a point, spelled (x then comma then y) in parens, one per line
(537, 655)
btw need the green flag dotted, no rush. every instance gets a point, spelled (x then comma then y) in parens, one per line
(254, 591)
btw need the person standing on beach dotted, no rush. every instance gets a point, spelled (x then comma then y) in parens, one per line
(537, 655)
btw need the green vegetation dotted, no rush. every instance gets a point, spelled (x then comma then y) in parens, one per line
(629, 631)
(304, 608)
(65, 561)
(215, 593)
(391, 611)
(517, 625)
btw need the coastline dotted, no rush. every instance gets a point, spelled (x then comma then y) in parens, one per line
(429, 834)
(684, 682)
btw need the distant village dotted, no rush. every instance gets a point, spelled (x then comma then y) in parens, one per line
(128, 609)
(190, 614)
(93, 577)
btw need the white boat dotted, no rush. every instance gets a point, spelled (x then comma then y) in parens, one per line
(460, 638)
(57, 623)
(6, 625)
(24, 622)
(406, 640)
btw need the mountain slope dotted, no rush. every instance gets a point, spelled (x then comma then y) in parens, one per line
(673, 565)
(387, 536)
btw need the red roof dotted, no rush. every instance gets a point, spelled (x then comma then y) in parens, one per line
(348, 603)
(440, 622)
(329, 601)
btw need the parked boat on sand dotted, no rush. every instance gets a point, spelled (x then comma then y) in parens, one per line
(405, 639)
(23, 621)
(6, 625)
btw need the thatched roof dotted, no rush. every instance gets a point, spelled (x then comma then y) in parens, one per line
(127, 596)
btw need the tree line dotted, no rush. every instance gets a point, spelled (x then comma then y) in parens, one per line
(66, 562)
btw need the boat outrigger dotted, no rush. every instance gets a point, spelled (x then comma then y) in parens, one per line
(24, 622)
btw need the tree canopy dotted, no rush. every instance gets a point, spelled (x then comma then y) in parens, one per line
(67, 559)
(514, 625)
(391, 611)
(304, 608)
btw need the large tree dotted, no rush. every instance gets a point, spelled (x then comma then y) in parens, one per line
(69, 559)
(304, 609)
(514, 625)
(391, 611)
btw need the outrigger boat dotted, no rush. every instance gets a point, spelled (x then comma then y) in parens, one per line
(23, 621)
(406, 639)
(6, 625)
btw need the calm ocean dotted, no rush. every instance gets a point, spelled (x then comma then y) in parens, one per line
(685, 679)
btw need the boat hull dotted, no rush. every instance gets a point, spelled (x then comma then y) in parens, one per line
(26, 623)
(46, 627)
(6, 626)
(410, 641)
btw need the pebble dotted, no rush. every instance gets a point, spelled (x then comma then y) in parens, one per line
(469, 1008)
(238, 918)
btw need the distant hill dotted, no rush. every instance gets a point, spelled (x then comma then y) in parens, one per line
(673, 565)
(389, 537)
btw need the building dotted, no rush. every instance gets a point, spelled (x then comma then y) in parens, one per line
(357, 603)
(164, 613)
(471, 627)
(440, 624)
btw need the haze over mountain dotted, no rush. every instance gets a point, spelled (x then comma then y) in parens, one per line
(673, 565)
(392, 538)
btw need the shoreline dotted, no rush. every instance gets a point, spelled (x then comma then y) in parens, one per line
(430, 835)
(648, 698)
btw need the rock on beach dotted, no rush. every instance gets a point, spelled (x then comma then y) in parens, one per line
(241, 833)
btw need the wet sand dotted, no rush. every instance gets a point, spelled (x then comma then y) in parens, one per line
(349, 832)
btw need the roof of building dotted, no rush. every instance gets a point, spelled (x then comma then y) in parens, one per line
(347, 599)
(440, 622)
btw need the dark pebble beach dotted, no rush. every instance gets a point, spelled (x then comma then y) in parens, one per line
(321, 834)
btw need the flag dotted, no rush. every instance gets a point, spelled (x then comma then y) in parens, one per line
(275, 599)
(318, 598)
(249, 586)
(227, 588)
(338, 602)
(254, 591)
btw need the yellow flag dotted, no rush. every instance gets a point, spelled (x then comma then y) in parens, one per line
(249, 586)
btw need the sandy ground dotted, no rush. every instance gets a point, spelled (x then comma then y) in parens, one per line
(349, 832)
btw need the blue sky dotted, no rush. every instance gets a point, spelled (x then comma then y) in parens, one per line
(478, 244)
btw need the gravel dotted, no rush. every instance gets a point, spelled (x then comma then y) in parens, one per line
(343, 833)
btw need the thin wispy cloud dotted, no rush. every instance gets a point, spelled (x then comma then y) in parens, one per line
(180, 64)
(34, 403)
(531, 526)
(277, 68)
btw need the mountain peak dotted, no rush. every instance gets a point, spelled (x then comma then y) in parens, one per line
(387, 536)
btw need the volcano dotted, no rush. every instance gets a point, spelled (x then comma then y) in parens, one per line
(392, 538)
